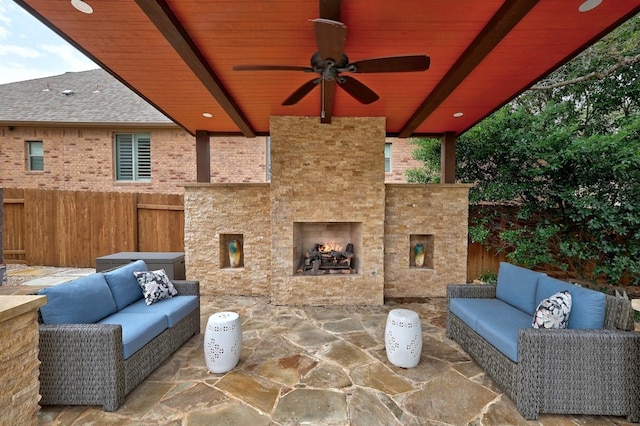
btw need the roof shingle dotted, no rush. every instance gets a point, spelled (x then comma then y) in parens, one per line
(87, 97)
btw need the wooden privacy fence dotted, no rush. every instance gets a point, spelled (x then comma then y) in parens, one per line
(72, 228)
(481, 261)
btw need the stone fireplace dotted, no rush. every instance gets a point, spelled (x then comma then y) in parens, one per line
(327, 187)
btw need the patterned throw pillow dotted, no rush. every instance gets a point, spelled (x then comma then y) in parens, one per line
(553, 312)
(155, 285)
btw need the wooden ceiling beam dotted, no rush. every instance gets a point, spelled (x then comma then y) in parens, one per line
(168, 24)
(502, 22)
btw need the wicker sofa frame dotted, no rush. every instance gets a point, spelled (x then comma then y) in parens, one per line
(592, 372)
(83, 364)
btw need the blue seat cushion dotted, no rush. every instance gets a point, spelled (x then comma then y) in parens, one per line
(123, 283)
(587, 306)
(83, 301)
(502, 330)
(517, 286)
(137, 329)
(175, 308)
(469, 309)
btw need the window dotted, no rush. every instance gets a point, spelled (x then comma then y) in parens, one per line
(133, 157)
(35, 156)
(387, 157)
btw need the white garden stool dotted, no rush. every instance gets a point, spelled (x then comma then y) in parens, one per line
(222, 342)
(403, 338)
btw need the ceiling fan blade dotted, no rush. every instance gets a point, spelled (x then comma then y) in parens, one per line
(330, 38)
(300, 93)
(330, 9)
(270, 68)
(358, 90)
(328, 92)
(393, 64)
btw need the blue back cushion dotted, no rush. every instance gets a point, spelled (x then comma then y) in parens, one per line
(82, 301)
(517, 287)
(587, 306)
(123, 283)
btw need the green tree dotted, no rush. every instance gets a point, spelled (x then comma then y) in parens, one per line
(428, 152)
(566, 156)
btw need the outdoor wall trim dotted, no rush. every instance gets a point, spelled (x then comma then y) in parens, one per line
(225, 184)
(431, 185)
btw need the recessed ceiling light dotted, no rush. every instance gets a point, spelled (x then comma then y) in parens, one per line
(589, 5)
(82, 6)
(458, 114)
(207, 114)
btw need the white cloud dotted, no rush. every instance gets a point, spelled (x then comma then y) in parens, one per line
(10, 72)
(5, 22)
(28, 49)
(68, 55)
(21, 51)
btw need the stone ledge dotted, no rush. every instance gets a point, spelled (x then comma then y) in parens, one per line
(12, 306)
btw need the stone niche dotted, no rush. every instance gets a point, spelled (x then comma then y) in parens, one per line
(435, 216)
(327, 184)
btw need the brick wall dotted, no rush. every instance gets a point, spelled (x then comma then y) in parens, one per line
(401, 160)
(238, 159)
(82, 159)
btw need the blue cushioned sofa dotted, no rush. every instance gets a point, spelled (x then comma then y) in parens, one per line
(591, 367)
(99, 339)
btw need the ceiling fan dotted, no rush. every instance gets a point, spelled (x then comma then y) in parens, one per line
(330, 61)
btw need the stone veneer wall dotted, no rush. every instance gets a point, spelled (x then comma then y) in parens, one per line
(327, 173)
(438, 213)
(214, 212)
(19, 359)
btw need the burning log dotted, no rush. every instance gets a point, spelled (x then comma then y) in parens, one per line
(322, 259)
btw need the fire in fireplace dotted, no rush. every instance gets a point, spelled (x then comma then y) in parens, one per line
(326, 248)
(327, 259)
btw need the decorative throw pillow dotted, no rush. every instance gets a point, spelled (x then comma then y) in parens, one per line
(155, 285)
(553, 312)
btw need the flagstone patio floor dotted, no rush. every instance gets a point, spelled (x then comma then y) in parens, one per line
(316, 366)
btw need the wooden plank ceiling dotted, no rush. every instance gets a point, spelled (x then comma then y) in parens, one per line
(180, 54)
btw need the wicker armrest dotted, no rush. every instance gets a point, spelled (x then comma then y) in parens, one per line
(587, 371)
(476, 291)
(81, 362)
(185, 287)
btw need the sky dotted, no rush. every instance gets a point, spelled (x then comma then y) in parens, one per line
(29, 49)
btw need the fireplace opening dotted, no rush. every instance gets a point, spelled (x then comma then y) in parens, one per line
(326, 248)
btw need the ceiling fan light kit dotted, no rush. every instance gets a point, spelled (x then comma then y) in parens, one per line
(330, 61)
